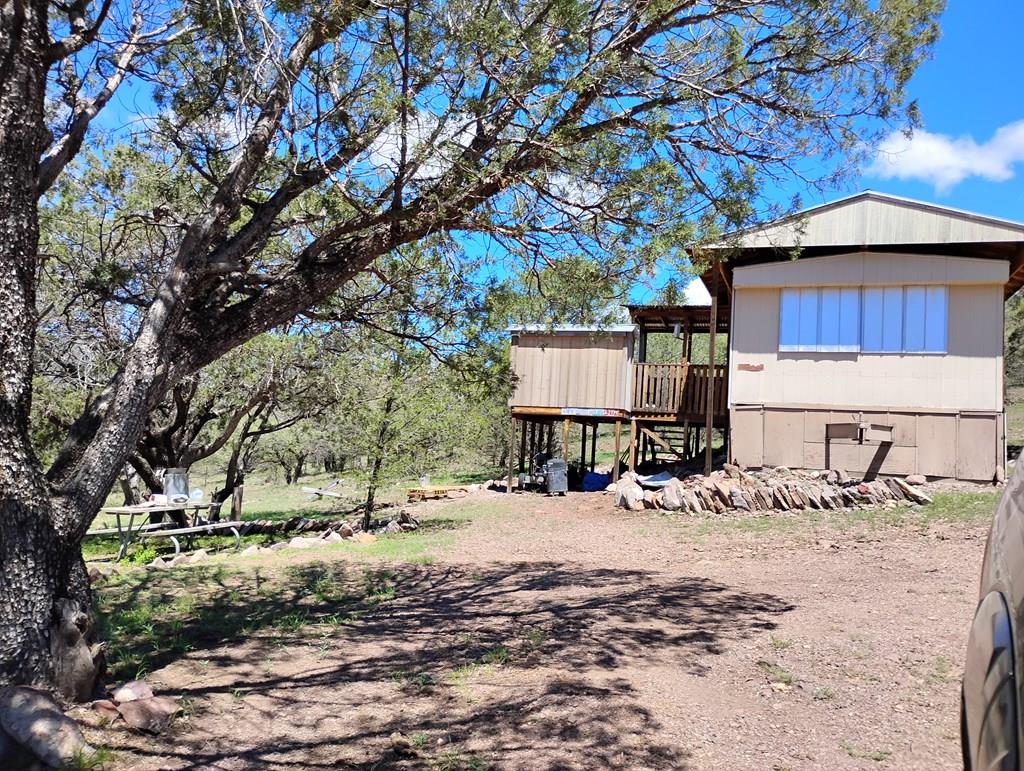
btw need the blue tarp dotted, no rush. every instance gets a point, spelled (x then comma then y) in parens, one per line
(593, 482)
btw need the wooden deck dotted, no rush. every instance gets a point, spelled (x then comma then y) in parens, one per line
(676, 392)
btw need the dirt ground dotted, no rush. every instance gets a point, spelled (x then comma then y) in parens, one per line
(563, 634)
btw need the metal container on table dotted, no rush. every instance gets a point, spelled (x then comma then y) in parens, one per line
(556, 472)
(176, 485)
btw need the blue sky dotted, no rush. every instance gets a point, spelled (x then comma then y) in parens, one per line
(970, 151)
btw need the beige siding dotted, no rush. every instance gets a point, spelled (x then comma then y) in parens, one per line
(968, 377)
(961, 445)
(874, 219)
(873, 269)
(572, 370)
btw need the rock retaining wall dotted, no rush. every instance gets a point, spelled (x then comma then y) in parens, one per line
(734, 489)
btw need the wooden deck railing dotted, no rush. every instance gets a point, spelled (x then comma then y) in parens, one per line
(677, 389)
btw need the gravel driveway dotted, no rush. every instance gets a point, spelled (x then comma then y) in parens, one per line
(559, 633)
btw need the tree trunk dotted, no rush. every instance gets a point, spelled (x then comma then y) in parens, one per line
(371, 491)
(44, 632)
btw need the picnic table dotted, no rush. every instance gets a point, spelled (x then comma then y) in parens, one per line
(128, 532)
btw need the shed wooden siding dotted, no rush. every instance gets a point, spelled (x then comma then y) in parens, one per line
(968, 377)
(584, 370)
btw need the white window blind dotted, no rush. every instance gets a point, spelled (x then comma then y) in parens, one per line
(815, 319)
(910, 319)
(891, 319)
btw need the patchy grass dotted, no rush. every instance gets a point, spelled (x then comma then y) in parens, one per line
(153, 617)
(853, 751)
(776, 673)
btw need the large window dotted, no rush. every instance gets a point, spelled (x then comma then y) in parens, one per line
(820, 320)
(892, 319)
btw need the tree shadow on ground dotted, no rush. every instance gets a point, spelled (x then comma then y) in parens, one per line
(514, 665)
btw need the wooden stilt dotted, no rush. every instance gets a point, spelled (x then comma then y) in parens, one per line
(551, 438)
(632, 445)
(583, 446)
(511, 454)
(709, 411)
(565, 439)
(533, 443)
(593, 447)
(618, 438)
(522, 446)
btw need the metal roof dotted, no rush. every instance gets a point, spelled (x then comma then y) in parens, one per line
(870, 218)
(573, 329)
(871, 221)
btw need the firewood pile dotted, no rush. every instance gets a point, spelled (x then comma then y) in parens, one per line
(733, 489)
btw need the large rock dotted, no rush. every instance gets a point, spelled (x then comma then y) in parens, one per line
(916, 479)
(133, 690)
(33, 719)
(672, 495)
(150, 714)
(652, 499)
(912, 492)
(629, 495)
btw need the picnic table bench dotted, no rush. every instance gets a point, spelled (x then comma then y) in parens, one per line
(128, 532)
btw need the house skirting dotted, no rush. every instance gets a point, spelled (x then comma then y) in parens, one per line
(963, 444)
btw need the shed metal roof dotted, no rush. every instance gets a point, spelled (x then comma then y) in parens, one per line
(869, 218)
(872, 221)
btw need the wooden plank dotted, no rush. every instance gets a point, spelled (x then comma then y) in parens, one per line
(658, 440)
(321, 492)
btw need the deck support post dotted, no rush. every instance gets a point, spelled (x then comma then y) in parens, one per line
(551, 438)
(632, 444)
(583, 447)
(618, 436)
(511, 454)
(565, 439)
(593, 447)
(522, 446)
(533, 444)
(709, 411)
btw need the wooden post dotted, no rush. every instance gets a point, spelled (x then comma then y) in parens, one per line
(511, 455)
(533, 443)
(551, 438)
(593, 447)
(709, 412)
(583, 446)
(522, 446)
(565, 439)
(615, 467)
(236, 503)
(632, 444)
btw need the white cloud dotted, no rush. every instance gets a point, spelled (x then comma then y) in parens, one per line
(944, 161)
(696, 293)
